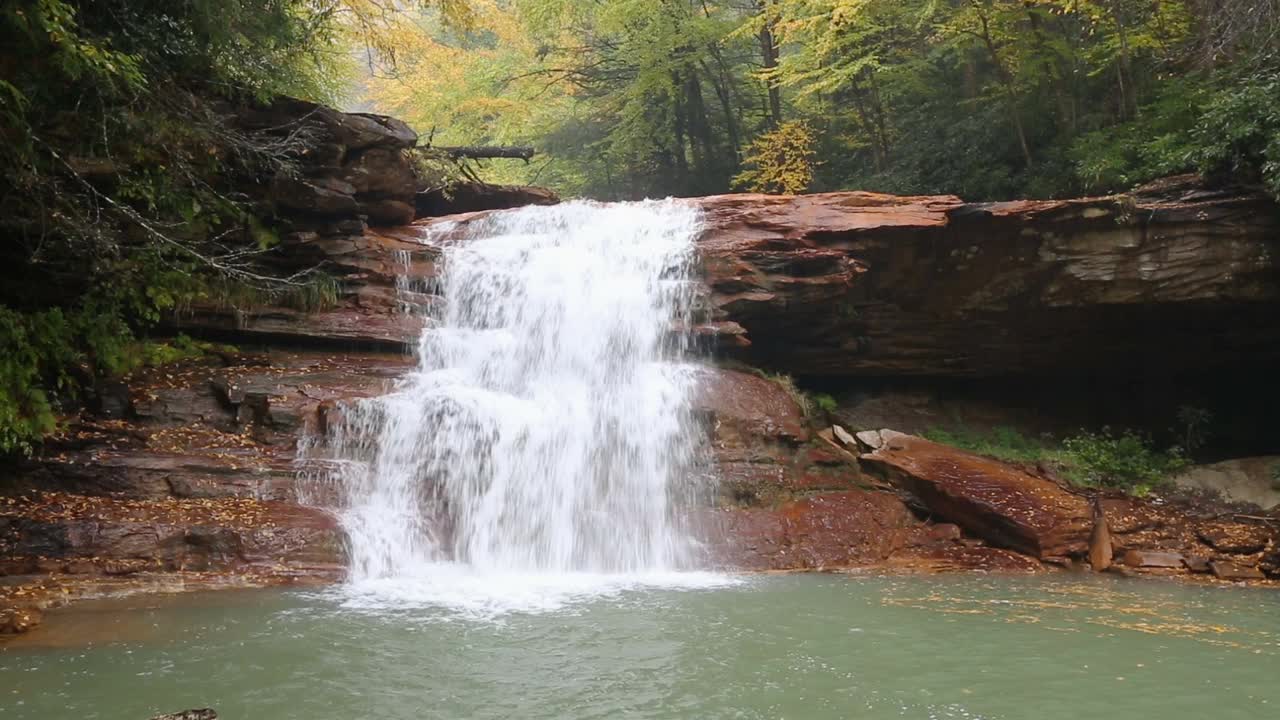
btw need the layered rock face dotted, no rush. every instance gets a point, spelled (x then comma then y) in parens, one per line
(1172, 277)
(795, 499)
(186, 477)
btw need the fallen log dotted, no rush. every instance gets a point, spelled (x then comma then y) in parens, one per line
(486, 152)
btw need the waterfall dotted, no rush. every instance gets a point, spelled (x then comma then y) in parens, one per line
(547, 427)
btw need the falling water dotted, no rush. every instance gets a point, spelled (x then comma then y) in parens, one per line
(547, 427)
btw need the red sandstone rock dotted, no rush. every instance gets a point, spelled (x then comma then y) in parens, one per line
(860, 283)
(990, 499)
(1235, 538)
(856, 283)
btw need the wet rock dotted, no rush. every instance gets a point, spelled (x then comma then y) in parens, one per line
(1227, 570)
(1235, 538)
(18, 620)
(1100, 546)
(829, 530)
(1000, 503)
(1151, 559)
(1196, 564)
(387, 211)
(1270, 562)
(744, 404)
(202, 714)
(472, 197)
(111, 400)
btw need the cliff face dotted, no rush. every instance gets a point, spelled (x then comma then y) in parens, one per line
(1174, 278)
(187, 477)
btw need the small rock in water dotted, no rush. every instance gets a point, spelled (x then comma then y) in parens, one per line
(1150, 559)
(1226, 570)
(201, 714)
(16, 621)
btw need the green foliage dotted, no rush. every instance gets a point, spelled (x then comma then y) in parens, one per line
(1193, 426)
(155, 353)
(1001, 443)
(988, 99)
(120, 177)
(825, 403)
(1123, 460)
(1238, 135)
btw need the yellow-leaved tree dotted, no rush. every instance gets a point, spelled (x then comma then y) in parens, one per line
(781, 160)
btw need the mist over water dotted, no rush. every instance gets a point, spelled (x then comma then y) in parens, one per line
(545, 444)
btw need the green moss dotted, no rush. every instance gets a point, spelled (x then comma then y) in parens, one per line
(1002, 443)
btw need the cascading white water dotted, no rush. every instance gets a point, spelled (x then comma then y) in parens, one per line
(548, 426)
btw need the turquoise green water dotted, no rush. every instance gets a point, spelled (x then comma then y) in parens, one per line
(805, 646)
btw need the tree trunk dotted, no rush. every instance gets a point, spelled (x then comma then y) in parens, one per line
(481, 152)
(1007, 80)
(769, 57)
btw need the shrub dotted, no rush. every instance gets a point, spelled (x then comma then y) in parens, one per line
(1125, 460)
(825, 402)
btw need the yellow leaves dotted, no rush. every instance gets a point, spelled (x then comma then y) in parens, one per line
(781, 160)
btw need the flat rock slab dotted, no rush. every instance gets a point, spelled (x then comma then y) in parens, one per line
(1226, 570)
(1000, 503)
(1150, 559)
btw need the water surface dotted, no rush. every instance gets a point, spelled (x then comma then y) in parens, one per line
(802, 646)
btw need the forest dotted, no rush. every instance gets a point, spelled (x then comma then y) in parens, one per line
(121, 196)
(987, 99)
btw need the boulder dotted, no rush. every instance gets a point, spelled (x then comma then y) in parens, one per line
(997, 502)
(749, 405)
(1151, 559)
(1227, 570)
(327, 197)
(387, 212)
(1251, 480)
(381, 172)
(843, 438)
(869, 440)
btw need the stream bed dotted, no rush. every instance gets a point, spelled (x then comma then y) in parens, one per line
(781, 646)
